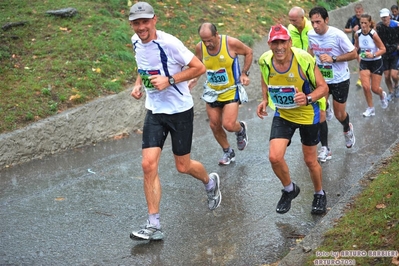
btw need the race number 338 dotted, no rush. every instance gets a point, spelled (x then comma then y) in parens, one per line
(326, 71)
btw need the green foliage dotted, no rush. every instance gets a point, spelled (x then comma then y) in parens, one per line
(373, 221)
(333, 4)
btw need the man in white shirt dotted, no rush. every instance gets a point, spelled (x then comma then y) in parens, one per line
(333, 50)
(161, 59)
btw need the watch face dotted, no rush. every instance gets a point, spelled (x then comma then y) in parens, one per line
(171, 81)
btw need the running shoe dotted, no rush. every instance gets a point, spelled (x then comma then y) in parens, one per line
(384, 101)
(370, 111)
(319, 204)
(329, 111)
(228, 157)
(242, 138)
(350, 137)
(397, 91)
(214, 195)
(358, 84)
(147, 232)
(324, 154)
(390, 96)
(284, 204)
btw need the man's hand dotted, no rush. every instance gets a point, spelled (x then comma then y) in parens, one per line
(136, 92)
(244, 79)
(300, 98)
(159, 82)
(261, 110)
(192, 83)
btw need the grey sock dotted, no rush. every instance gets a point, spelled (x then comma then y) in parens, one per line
(289, 188)
(154, 220)
(210, 185)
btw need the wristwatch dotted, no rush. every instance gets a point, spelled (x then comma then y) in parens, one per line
(334, 58)
(171, 80)
(246, 73)
(309, 100)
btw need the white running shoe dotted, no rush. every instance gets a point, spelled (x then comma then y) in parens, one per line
(350, 137)
(370, 111)
(324, 154)
(384, 100)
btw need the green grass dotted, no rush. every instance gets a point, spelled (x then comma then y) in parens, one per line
(52, 64)
(371, 223)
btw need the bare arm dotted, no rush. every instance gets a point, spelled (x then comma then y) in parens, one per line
(236, 47)
(136, 91)
(261, 109)
(198, 53)
(356, 42)
(195, 69)
(325, 58)
(320, 91)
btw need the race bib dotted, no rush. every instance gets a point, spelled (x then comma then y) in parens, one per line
(283, 96)
(217, 78)
(327, 71)
(145, 74)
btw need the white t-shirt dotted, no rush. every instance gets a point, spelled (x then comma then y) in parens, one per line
(334, 43)
(367, 44)
(148, 58)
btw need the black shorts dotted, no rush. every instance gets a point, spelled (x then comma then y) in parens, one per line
(390, 61)
(374, 66)
(180, 125)
(284, 129)
(221, 104)
(339, 91)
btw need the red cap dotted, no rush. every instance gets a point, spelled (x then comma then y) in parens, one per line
(278, 32)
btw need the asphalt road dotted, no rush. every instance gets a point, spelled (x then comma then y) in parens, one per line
(79, 207)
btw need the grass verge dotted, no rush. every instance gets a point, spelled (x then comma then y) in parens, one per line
(371, 223)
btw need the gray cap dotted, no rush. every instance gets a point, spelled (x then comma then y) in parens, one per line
(141, 10)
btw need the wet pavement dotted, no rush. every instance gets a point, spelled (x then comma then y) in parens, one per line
(79, 207)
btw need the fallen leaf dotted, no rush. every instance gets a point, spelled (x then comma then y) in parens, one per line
(59, 199)
(248, 11)
(395, 260)
(381, 206)
(74, 97)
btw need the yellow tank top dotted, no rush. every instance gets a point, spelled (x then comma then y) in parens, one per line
(304, 115)
(222, 70)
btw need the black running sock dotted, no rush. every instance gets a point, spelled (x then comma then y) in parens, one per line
(324, 133)
(345, 123)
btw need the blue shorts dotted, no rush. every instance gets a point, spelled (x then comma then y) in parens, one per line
(180, 125)
(284, 129)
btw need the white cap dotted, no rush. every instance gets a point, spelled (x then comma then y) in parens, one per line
(384, 12)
